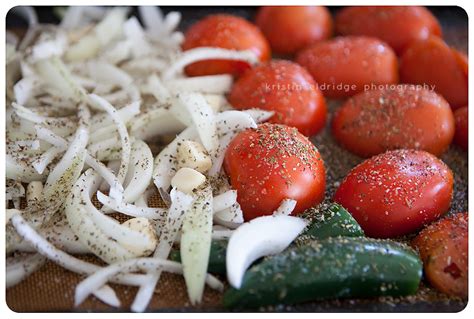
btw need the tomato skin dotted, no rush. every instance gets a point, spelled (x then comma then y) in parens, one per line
(396, 25)
(353, 61)
(286, 88)
(379, 120)
(291, 28)
(397, 192)
(271, 163)
(224, 31)
(433, 62)
(443, 248)
(461, 135)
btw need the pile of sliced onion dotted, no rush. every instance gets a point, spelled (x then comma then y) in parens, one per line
(86, 101)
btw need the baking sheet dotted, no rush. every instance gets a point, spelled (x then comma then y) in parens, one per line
(51, 289)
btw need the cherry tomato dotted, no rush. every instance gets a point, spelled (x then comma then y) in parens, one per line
(229, 32)
(434, 63)
(376, 121)
(271, 163)
(291, 28)
(396, 25)
(286, 88)
(397, 192)
(444, 251)
(461, 134)
(345, 66)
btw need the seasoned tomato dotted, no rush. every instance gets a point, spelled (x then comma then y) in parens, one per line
(461, 135)
(444, 251)
(376, 121)
(434, 63)
(345, 66)
(228, 32)
(396, 25)
(397, 192)
(291, 28)
(286, 88)
(271, 163)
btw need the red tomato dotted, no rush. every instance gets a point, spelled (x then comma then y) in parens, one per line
(229, 32)
(433, 62)
(461, 135)
(444, 251)
(397, 192)
(397, 25)
(291, 28)
(376, 121)
(286, 88)
(271, 163)
(345, 66)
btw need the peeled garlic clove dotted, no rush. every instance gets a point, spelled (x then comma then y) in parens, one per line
(143, 225)
(193, 155)
(187, 179)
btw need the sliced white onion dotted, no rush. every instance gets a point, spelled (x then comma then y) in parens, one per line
(171, 21)
(286, 207)
(130, 209)
(126, 113)
(100, 278)
(213, 84)
(125, 139)
(196, 243)
(203, 118)
(229, 123)
(145, 65)
(61, 258)
(207, 53)
(180, 203)
(259, 115)
(49, 48)
(20, 169)
(17, 272)
(231, 217)
(222, 234)
(107, 295)
(224, 200)
(139, 173)
(118, 53)
(25, 89)
(158, 89)
(103, 235)
(152, 123)
(59, 235)
(152, 18)
(106, 149)
(55, 74)
(34, 193)
(66, 172)
(262, 236)
(103, 72)
(134, 33)
(110, 28)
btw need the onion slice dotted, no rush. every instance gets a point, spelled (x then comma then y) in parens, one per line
(180, 202)
(122, 129)
(286, 207)
(99, 278)
(207, 53)
(15, 273)
(262, 236)
(130, 209)
(61, 258)
(196, 243)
